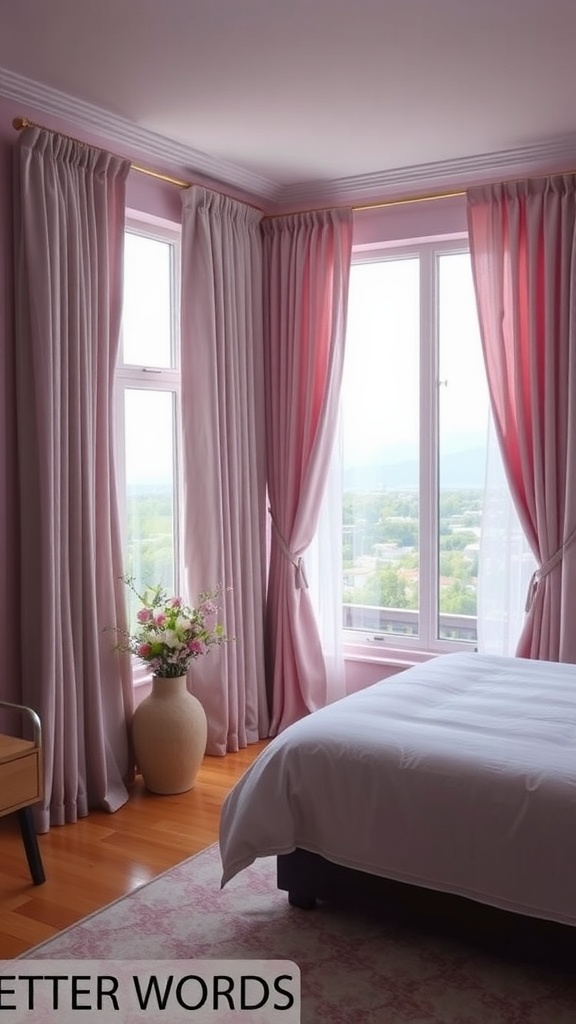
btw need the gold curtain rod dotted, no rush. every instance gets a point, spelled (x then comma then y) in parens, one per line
(19, 123)
(428, 197)
(460, 192)
(23, 122)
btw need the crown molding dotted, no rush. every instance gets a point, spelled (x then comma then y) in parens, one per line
(149, 145)
(460, 173)
(551, 156)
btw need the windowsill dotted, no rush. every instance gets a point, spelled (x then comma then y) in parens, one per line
(407, 658)
(140, 675)
(384, 654)
(378, 653)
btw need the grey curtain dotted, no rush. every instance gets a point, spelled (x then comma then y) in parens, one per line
(69, 230)
(224, 455)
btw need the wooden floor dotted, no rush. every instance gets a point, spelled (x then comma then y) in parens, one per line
(104, 856)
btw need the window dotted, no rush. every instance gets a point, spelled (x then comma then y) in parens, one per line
(415, 418)
(148, 417)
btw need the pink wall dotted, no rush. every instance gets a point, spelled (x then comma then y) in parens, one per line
(410, 222)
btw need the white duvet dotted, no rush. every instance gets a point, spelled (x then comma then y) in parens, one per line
(458, 775)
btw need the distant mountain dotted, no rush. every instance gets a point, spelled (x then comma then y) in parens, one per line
(459, 469)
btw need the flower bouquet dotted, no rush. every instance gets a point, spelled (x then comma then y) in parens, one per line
(170, 634)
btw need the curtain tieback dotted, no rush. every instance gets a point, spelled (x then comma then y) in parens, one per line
(301, 580)
(546, 568)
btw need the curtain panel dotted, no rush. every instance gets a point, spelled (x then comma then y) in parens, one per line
(307, 264)
(69, 232)
(523, 248)
(224, 455)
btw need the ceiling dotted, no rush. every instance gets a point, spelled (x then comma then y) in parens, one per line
(311, 93)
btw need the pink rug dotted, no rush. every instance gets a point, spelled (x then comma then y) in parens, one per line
(355, 969)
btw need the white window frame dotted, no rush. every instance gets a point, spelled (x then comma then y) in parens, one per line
(393, 648)
(145, 377)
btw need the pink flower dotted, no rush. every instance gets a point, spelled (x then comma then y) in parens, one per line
(144, 650)
(196, 647)
(159, 619)
(144, 615)
(209, 608)
(175, 602)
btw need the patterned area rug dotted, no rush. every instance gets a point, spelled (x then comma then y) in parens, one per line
(356, 968)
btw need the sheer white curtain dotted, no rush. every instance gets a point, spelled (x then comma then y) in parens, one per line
(69, 236)
(324, 570)
(506, 562)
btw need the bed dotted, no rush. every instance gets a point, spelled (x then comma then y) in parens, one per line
(455, 776)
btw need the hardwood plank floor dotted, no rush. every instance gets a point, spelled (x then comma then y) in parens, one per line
(105, 856)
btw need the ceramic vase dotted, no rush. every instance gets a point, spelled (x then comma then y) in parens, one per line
(169, 733)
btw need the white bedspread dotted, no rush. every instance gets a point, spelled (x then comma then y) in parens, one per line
(458, 775)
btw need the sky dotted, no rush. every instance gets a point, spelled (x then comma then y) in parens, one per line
(381, 384)
(146, 339)
(146, 316)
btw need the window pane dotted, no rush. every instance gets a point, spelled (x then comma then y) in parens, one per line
(463, 424)
(150, 487)
(381, 413)
(147, 312)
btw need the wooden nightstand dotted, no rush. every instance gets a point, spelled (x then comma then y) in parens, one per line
(21, 784)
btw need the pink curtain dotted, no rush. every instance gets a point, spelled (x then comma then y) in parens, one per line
(522, 240)
(224, 455)
(69, 231)
(307, 263)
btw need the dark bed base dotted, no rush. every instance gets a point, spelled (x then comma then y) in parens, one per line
(306, 878)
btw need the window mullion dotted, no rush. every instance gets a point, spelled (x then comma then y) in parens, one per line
(428, 575)
(175, 307)
(120, 460)
(179, 576)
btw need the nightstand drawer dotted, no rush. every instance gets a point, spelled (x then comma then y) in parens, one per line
(20, 781)
(21, 784)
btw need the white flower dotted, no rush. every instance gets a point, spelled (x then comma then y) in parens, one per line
(170, 638)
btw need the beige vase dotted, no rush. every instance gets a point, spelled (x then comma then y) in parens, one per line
(169, 732)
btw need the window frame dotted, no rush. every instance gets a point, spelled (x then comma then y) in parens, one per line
(395, 649)
(144, 377)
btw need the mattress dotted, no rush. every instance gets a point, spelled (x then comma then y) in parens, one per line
(458, 774)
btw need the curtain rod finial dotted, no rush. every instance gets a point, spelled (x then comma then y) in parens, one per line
(20, 122)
